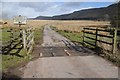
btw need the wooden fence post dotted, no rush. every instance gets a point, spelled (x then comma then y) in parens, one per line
(33, 38)
(96, 38)
(115, 41)
(83, 36)
(24, 39)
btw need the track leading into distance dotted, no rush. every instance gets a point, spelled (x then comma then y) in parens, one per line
(55, 45)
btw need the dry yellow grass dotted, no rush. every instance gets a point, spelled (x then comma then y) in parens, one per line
(70, 25)
(30, 23)
(78, 25)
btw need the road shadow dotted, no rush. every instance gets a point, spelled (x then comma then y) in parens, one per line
(9, 76)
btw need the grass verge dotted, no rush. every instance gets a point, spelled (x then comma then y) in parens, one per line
(9, 61)
(76, 37)
(38, 35)
(73, 36)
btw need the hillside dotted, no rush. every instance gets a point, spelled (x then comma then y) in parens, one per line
(104, 13)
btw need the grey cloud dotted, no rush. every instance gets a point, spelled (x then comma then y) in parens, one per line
(69, 6)
(33, 9)
(9, 9)
(44, 6)
(38, 6)
(72, 4)
(0, 11)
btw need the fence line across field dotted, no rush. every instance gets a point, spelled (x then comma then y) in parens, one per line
(109, 38)
(10, 41)
(23, 38)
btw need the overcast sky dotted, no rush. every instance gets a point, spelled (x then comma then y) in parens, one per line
(34, 9)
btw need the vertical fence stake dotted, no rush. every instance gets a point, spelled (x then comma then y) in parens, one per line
(115, 41)
(33, 38)
(96, 38)
(83, 35)
(24, 39)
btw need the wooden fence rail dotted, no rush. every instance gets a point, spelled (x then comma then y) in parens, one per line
(14, 38)
(96, 35)
(28, 40)
(10, 40)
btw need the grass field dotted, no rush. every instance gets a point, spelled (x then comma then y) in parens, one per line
(61, 23)
(38, 34)
(9, 61)
(75, 36)
(77, 26)
(30, 23)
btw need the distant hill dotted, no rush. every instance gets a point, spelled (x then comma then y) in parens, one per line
(104, 13)
(43, 17)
